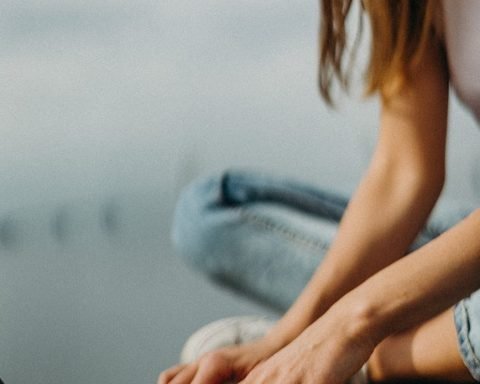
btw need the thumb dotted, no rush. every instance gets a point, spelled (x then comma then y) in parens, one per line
(212, 371)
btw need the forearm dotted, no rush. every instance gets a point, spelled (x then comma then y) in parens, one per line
(421, 285)
(381, 221)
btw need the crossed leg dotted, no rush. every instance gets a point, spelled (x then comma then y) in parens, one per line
(244, 230)
(428, 351)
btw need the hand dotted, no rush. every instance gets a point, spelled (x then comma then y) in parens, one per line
(220, 366)
(330, 351)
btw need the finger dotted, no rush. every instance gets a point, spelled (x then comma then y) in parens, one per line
(246, 380)
(168, 374)
(185, 376)
(253, 376)
(211, 373)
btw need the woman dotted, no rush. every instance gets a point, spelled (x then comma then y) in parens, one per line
(416, 316)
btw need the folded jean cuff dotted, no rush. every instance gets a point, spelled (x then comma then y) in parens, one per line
(462, 324)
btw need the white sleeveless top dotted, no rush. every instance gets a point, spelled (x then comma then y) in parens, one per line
(462, 43)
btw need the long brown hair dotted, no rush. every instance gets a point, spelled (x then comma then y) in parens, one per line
(400, 30)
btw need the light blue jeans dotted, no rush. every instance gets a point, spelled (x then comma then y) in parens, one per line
(264, 236)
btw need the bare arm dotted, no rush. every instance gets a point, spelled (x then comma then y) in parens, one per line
(402, 295)
(422, 284)
(386, 213)
(393, 200)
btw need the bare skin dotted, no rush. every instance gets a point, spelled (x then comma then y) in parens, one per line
(420, 352)
(358, 306)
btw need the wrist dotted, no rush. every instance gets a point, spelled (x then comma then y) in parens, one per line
(362, 322)
(275, 340)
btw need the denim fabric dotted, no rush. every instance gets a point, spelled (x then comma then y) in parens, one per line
(264, 236)
(467, 322)
(255, 233)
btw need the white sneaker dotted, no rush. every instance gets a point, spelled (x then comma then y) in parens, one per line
(235, 331)
(224, 332)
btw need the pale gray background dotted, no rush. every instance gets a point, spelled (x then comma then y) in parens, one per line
(107, 109)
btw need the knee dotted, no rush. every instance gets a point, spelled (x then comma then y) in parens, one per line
(193, 230)
(391, 359)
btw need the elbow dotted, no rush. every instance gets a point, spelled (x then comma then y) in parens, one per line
(426, 186)
(429, 181)
(412, 179)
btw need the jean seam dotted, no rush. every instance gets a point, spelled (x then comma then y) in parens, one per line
(468, 354)
(472, 352)
(283, 230)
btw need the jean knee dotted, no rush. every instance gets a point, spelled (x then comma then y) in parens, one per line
(193, 231)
